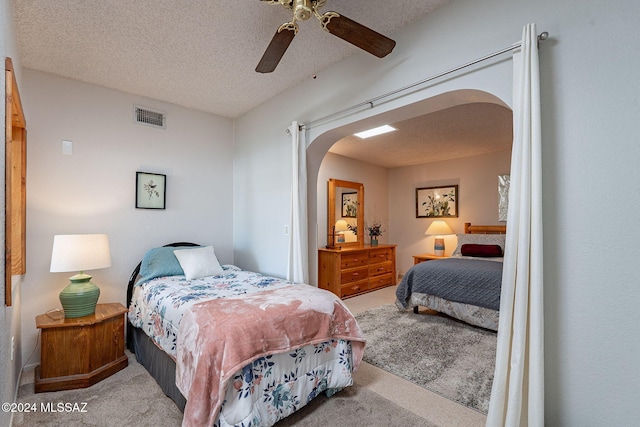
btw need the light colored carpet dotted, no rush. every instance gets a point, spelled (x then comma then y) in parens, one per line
(354, 407)
(129, 397)
(132, 397)
(446, 356)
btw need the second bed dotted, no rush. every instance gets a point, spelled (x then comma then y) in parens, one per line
(466, 285)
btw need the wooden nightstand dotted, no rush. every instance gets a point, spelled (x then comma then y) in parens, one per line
(79, 352)
(417, 259)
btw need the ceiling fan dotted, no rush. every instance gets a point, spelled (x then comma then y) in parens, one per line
(336, 24)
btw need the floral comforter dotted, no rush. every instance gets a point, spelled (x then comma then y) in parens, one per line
(157, 306)
(219, 337)
(268, 388)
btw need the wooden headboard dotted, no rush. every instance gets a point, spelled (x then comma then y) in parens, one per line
(484, 229)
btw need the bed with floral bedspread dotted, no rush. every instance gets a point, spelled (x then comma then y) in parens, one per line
(274, 380)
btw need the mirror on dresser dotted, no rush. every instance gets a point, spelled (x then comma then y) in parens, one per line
(345, 214)
(347, 267)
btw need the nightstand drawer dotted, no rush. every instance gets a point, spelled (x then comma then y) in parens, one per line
(354, 275)
(382, 268)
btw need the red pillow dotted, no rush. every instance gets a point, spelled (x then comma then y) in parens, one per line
(486, 251)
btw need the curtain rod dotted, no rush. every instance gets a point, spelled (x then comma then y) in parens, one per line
(543, 36)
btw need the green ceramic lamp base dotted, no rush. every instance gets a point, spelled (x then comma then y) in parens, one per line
(80, 297)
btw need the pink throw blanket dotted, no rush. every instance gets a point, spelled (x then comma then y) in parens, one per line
(219, 337)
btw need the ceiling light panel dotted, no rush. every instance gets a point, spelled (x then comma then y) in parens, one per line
(375, 131)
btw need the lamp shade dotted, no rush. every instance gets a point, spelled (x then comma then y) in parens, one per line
(342, 225)
(80, 252)
(438, 228)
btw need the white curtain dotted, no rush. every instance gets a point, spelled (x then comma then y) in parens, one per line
(298, 266)
(517, 397)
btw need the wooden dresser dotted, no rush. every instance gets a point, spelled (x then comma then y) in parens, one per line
(356, 269)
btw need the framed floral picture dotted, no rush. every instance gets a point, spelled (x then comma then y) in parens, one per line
(350, 205)
(437, 202)
(150, 190)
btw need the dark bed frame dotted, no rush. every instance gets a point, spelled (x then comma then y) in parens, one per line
(158, 363)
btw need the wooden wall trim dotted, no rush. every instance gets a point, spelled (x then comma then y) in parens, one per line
(15, 181)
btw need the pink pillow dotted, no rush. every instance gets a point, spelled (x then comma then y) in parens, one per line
(486, 251)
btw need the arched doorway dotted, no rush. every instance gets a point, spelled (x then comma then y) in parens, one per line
(320, 146)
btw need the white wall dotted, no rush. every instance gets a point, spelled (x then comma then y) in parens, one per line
(93, 190)
(390, 198)
(477, 180)
(590, 73)
(262, 210)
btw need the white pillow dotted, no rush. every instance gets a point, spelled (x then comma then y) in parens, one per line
(199, 262)
(481, 239)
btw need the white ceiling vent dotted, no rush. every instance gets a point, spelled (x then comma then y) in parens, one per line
(147, 117)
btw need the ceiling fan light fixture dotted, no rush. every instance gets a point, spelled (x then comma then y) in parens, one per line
(375, 131)
(338, 25)
(302, 9)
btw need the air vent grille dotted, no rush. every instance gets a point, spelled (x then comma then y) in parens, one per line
(147, 117)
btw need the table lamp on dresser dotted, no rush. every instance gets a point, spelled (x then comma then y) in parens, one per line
(80, 252)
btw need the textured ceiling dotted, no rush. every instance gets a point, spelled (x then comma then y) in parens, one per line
(199, 54)
(461, 131)
(202, 54)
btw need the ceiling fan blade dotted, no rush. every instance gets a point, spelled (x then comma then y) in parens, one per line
(277, 47)
(357, 34)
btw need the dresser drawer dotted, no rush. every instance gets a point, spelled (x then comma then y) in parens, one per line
(381, 268)
(379, 281)
(354, 275)
(354, 288)
(380, 255)
(358, 259)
